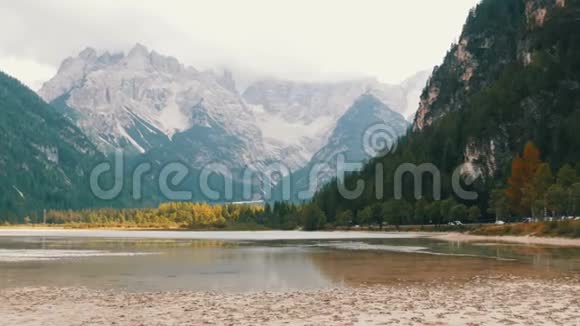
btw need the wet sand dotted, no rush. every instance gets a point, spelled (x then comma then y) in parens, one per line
(480, 301)
(462, 237)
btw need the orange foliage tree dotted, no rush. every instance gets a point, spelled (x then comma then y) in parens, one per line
(523, 171)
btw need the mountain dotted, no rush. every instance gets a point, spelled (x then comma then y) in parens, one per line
(302, 116)
(368, 128)
(142, 100)
(367, 117)
(44, 158)
(159, 110)
(513, 77)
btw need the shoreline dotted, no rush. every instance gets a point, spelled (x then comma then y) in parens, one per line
(528, 240)
(509, 300)
(444, 236)
(204, 235)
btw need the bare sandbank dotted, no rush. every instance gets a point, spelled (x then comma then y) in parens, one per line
(480, 301)
(203, 235)
(278, 235)
(530, 240)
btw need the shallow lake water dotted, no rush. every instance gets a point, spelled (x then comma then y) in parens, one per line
(242, 261)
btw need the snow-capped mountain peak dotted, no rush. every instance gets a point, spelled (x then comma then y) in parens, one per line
(130, 99)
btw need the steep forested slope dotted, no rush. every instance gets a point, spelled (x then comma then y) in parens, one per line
(44, 159)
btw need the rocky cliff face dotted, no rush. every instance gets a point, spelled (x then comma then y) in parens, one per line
(482, 53)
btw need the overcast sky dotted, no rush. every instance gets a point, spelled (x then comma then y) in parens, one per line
(296, 39)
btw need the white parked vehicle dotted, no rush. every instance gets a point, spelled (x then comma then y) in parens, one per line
(499, 222)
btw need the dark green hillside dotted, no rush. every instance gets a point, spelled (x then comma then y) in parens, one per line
(44, 159)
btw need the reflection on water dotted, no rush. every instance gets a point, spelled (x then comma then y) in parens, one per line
(157, 264)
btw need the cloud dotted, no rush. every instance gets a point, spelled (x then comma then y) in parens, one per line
(29, 72)
(298, 39)
(49, 31)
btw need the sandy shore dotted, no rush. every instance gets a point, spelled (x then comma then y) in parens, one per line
(204, 235)
(461, 237)
(477, 302)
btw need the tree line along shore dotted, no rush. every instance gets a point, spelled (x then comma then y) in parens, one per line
(280, 216)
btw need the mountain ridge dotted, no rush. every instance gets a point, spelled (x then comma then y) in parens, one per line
(92, 85)
(368, 128)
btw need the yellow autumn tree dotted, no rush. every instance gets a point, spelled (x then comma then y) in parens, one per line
(167, 215)
(522, 175)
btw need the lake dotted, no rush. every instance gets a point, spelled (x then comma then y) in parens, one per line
(247, 261)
